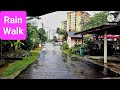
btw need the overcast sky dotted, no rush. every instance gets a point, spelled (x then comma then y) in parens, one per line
(52, 20)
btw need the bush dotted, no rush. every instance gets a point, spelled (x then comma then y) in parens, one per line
(75, 49)
(20, 65)
(78, 45)
(89, 45)
(64, 46)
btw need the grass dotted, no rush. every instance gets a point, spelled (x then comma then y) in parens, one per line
(66, 51)
(72, 55)
(20, 65)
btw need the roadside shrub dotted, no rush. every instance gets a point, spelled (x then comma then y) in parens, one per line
(64, 46)
(75, 49)
(89, 45)
(78, 45)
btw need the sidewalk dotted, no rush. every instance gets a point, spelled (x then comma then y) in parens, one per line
(113, 62)
(110, 58)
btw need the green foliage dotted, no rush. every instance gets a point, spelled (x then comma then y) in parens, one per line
(55, 38)
(64, 46)
(58, 31)
(17, 44)
(27, 44)
(65, 36)
(20, 65)
(42, 35)
(97, 20)
(8, 45)
(75, 49)
(33, 17)
(87, 39)
(62, 32)
(89, 44)
(34, 37)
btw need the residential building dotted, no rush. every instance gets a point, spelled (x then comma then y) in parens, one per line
(76, 20)
(64, 25)
(73, 39)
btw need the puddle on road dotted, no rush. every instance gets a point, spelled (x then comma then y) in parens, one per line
(43, 54)
(54, 52)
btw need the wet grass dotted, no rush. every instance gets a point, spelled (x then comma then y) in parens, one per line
(75, 56)
(20, 65)
(66, 51)
(72, 55)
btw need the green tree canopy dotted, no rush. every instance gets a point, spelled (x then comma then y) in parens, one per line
(33, 17)
(55, 38)
(97, 20)
(59, 31)
(42, 34)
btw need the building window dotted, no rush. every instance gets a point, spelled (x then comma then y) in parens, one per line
(75, 40)
(78, 40)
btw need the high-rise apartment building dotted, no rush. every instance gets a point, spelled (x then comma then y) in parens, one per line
(64, 25)
(76, 20)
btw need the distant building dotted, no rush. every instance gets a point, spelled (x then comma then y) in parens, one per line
(76, 20)
(64, 25)
(73, 39)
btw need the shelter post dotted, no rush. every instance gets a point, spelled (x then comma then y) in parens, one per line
(105, 47)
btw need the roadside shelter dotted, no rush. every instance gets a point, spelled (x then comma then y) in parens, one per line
(105, 29)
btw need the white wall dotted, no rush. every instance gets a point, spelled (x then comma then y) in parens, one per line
(69, 41)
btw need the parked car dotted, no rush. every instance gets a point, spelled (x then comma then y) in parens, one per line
(56, 43)
(60, 43)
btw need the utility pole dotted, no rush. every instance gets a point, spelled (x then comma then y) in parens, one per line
(42, 25)
(42, 33)
(49, 34)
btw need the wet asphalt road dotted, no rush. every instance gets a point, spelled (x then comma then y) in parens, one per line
(53, 64)
(50, 65)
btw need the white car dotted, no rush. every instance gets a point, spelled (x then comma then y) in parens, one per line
(56, 44)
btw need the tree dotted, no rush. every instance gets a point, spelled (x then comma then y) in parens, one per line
(32, 39)
(33, 17)
(97, 20)
(62, 32)
(65, 36)
(58, 31)
(55, 38)
(42, 34)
